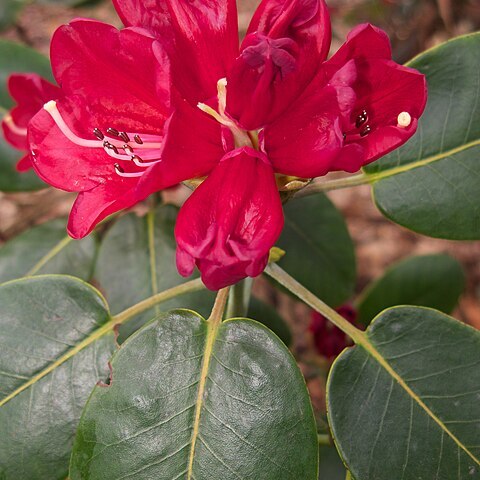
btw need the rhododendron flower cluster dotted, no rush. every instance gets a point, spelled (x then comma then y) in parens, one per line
(174, 97)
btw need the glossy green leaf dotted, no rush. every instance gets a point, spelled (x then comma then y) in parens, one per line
(252, 419)
(48, 325)
(405, 405)
(47, 249)
(431, 184)
(319, 250)
(264, 313)
(137, 259)
(435, 281)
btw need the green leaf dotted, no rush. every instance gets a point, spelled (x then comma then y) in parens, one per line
(9, 10)
(137, 260)
(191, 401)
(435, 281)
(331, 466)
(264, 313)
(47, 249)
(431, 184)
(319, 250)
(405, 404)
(16, 58)
(49, 363)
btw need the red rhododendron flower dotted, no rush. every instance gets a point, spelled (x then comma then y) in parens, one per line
(30, 92)
(272, 106)
(329, 340)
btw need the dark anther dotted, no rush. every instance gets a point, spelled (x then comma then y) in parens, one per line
(344, 136)
(361, 119)
(366, 131)
(138, 159)
(97, 132)
(110, 146)
(118, 168)
(128, 149)
(124, 137)
(138, 139)
(113, 131)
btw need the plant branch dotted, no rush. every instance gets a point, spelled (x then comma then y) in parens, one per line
(319, 187)
(187, 287)
(310, 299)
(239, 299)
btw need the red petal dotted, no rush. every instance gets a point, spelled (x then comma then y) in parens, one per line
(364, 42)
(307, 139)
(286, 42)
(113, 71)
(231, 221)
(30, 91)
(24, 164)
(201, 37)
(385, 89)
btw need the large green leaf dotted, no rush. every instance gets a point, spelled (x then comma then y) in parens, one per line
(434, 281)
(47, 249)
(319, 250)
(264, 313)
(137, 259)
(191, 401)
(405, 404)
(17, 58)
(51, 356)
(431, 185)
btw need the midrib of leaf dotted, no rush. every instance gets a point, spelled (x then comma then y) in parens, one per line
(123, 317)
(152, 253)
(53, 252)
(213, 326)
(364, 342)
(375, 177)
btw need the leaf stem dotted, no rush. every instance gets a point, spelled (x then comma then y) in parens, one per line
(282, 277)
(187, 287)
(348, 476)
(239, 299)
(324, 439)
(318, 187)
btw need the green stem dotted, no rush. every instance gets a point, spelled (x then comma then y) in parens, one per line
(282, 277)
(324, 439)
(187, 287)
(239, 299)
(348, 476)
(318, 187)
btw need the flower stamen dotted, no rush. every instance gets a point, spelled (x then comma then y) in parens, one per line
(404, 120)
(22, 132)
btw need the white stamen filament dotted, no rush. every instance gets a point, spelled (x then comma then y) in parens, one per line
(404, 120)
(222, 96)
(128, 175)
(51, 108)
(22, 132)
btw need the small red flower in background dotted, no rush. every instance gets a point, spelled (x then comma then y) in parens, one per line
(329, 340)
(129, 123)
(30, 92)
